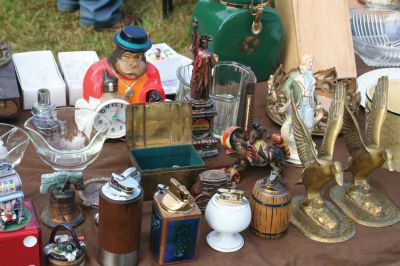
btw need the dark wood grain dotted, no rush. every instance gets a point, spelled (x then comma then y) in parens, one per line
(120, 225)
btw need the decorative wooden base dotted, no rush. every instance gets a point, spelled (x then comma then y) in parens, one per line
(344, 230)
(387, 212)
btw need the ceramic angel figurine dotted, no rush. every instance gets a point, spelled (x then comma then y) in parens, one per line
(307, 103)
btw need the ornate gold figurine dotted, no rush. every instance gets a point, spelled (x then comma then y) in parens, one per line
(324, 87)
(314, 216)
(358, 199)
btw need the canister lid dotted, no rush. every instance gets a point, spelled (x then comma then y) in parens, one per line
(177, 198)
(232, 197)
(123, 187)
(276, 188)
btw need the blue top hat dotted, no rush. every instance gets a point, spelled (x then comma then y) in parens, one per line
(133, 39)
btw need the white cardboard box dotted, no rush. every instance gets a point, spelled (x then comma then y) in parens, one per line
(167, 62)
(74, 66)
(36, 70)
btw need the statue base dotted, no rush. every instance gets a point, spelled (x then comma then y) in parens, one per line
(370, 209)
(203, 113)
(344, 229)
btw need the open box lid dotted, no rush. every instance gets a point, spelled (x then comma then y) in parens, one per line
(158, 124)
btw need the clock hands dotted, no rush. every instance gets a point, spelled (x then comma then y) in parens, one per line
(116, 118)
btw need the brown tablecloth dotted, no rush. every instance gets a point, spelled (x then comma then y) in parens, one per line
(370, 246)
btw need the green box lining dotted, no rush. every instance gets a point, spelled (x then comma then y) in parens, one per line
(184, 156)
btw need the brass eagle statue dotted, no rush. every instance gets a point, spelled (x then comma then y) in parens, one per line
(321, 169)
(366, 155)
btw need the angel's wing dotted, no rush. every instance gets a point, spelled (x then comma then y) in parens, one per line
(378, 111)
(335, 121)
(304, 143)
(351, 132)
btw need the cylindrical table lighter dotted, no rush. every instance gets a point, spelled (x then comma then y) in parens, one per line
(120, 215)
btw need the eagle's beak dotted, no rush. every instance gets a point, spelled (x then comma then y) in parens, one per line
(338, 172)
(389, 160)
(389, 165)
(339, 178)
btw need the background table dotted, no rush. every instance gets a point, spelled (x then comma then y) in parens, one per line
(370, 246)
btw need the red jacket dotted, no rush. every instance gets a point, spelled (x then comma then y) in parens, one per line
(149, 81)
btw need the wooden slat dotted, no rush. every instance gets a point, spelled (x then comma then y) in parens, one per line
(321, 28)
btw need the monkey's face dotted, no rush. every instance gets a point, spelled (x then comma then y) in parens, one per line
(131, 65)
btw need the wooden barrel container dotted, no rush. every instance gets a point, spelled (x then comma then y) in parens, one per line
(271, 210)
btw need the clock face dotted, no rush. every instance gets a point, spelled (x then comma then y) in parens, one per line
(114, 113)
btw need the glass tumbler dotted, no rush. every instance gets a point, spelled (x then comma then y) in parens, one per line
(229, 83)
(184, 74)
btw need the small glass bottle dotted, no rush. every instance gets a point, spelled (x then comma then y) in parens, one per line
(44, 112)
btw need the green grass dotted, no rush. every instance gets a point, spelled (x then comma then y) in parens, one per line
(32, 25)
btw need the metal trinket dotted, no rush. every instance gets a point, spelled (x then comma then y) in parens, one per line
(251, 148)
(203, 108)
(65, 250)
(313, 215)
(208, 184)
(119, 220)
(175, 223)
(159, 139)
(358, 199)
(177, 198)
(230, 196)
(325, 84)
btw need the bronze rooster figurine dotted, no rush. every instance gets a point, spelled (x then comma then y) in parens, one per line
(313, 215)
(361, 202)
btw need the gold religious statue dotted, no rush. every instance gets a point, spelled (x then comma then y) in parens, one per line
(313, 215)
(358, 199)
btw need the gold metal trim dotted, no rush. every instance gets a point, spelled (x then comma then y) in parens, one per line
(245, 6)
(345, 230)
(326, 80)
(390, 212)
(177, 198)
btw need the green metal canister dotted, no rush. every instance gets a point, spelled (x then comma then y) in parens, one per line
(246, 31)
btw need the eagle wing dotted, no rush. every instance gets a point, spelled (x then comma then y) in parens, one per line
(351, 132)
(377, 115)
(335, 121)
(304, 143)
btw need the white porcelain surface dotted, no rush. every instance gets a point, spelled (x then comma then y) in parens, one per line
(224, 242)
(227, 221)
(369, 79)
